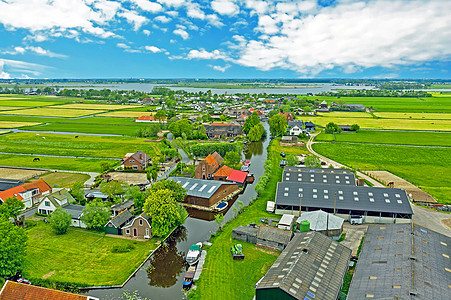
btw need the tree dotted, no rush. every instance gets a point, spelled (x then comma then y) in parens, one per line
(181, 127)
(96, 214)
(292, 160)
(277, 125)
(11, 208)
(179, 192)
(114, 189)
(312, 161)
(251, 121)
(331, 127)
(219, 219)
(232, 158)
(104, 166)
(162, 207)
(154, 175)
(60, 220)
(78, 193)
(160, 115)
(355, 127)
(12, 243)
(256, 133)
(134, 192)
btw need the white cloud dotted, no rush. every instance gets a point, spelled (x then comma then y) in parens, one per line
(3, 74)
(148, 5)
(225, 7)
(34, 50)
(182, 33)
(133, 18)
(220, 68)
(162, 19)
(16, 66)
(194, 11)
(172, 13)
(214, 20)
(174, 3)
(153, 49)
(123, 46)
(203, 54)
(146, 32)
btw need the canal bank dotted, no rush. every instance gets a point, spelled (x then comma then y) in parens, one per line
(161, 276)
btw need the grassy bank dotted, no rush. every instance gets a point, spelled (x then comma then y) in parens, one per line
(224, 278)
(428, 168)
(81, 256)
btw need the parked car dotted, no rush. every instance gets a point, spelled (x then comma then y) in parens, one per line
(282, 154)
(283, 163)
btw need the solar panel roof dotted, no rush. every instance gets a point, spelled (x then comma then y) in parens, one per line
(199, 187)
(318, 177)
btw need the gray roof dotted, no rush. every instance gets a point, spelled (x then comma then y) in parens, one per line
(74, 210)
(400, 259)
(96, 194)
(274, 234)
(295, 123)
(252, 231)
(309, 124)
(317, 170)
(318, 220)
(311, 267)
(357, 198)
(199, 187)
(122, 218)
(60, 195)
(6, 184)
(316, 177)
(123, 205)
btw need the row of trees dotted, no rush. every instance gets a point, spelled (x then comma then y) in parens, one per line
(277, 125)
(254, 128)
(183, 128)
(198, 149)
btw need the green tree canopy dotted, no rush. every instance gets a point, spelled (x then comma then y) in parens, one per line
(251, 121)
(179, 193)
(60, 220)
(355, 127)
(232, 159)
(114, 189)
(292, 160)
(312, 161)
(162, 207)
(277, 125)
(12, 245)
(78, 193)
(256, 133)
(134, 192)
(96, 214)
(331, 127)
(11, 208)
(179, 127)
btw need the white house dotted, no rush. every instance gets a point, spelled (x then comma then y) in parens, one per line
(54, 200)
(295, 131)
(286, 222)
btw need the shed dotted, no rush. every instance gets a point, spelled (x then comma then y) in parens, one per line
(237, 176)
(274, 238)
(114, 226)
(270, 206)
(320, 219)
(286, 222)
(245, 234)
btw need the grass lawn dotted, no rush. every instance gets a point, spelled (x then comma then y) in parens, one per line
(54, 163)
(8, 124)
(95, 106)
(9, 107)
(400, 115)
(90, 128)
(83, 146)
(63, 179)
(86, 120)
(23, 103)
(127, 114)
(224, 278)
(81, 256)
(427, 168)
(346, 114)
(52, 112)
(390, 137)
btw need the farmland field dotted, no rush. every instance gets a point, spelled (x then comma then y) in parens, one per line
(125, 114)
(21, 174)
(83, 146)
(53, 112)
(390, 137)
(345, 114)
(427, 116)
(25, 103)
(9, 107)
(427, 168)
(90, 128)
(64, 179)
(7, 124)
(85, 120)
(94, 106)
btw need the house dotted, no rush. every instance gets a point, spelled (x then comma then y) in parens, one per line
(115, 225)
(237, 176)
(313, 175)
(136, 161)
(288, 116)
(76, 211)
(20, 291)
(206, 192)
(295, 131)
(298, 123)
(309, 126)
(139, 227)
(263, 236)
(222, 173)
(289, 139)
(286, 222)
(355, 107)
(54, 200)
(150, 119)
(120, 207)
(246, 234)
(345, 127)
(312, 266)
(6, 184)
(235, 112)
(96, 194)
(30, 193)
(402, 261)
(223, 130)
(323, 222)
(323, 105)
(207, 167)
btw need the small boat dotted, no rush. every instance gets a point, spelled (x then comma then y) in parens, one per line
(247, 163)
(222, 206)
(245, 168)
(193, 255)
(189, 276)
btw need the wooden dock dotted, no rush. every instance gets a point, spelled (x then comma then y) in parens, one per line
(200, 264)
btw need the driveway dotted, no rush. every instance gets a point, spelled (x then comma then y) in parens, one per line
(431, 219)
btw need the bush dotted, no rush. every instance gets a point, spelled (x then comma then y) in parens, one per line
(60, 220)
(122, 248)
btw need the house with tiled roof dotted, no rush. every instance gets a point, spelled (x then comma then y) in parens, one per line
(288, 116)
(136, 161)
(20, 291)
(237, 176)
(54, 200)
(222, 173)
(223, 130)
(115, 225)
(150, 119)
(138, 227)
(30, 193)
(207, 167)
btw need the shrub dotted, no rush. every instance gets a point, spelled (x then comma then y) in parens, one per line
(122, 248)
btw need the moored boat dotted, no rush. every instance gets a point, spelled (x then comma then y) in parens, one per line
(221, 206)
(193, 255)
(189, 277)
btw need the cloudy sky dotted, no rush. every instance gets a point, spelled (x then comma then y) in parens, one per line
(225, 39)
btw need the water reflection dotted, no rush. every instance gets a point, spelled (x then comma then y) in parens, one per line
(254, 148)
(206, 215)
(168, 262)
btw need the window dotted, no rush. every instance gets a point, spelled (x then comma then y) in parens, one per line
(287, 174)
(325, 181)
(315, 196)
(147, 231)
(326, 197)
(203, 169)
(135, 167)
(385, 195)
(287, 188)
(324, 176)
(326, 191)
(340, 197)
(127, 231)
(399, 202)
(387, 200)
(340, 192)
(369, 295)
(299, 179)
(347, 182)
(337, 181)
(285, 194)
(312, 175)
(140, 222)
(47, 203)
(355, 193)
(398, 195)
(370, 194)
(300, 189)
(356, 198)
(312, 180)
(337, 177)
(373, 277)
(315, 190)
(346, 177)
(371, 199)
(396, 286)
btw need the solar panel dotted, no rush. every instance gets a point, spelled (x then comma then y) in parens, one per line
(212, 188)
(193, 187)
(202, 188)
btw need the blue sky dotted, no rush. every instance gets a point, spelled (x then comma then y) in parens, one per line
(225, 39)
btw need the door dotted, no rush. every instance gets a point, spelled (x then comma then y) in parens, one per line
(135, 232)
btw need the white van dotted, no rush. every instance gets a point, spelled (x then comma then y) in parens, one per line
(356, 220)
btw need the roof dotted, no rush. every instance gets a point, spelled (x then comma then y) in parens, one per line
(123, 205)
(286, 220)
(358, 198)
(74, 210)
(59, 195)
(318, 220)
(274, 234)
(295, 123)
(199, 187)
(223, 171)
(150, 118)
(237, 176)
(218, 157)
(96, 195)
(317, 177)
(400, 259)
(317, 170)
(6, 184)
(121, 218)
(20, 291)
(211, 160)
(35, 184)
(309, 124)
(312, 266)
(139, 156)
(252, 231)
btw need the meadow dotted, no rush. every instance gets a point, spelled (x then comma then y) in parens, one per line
(126, 114)
(52, 112)
(83, 146)
(91, 128)
(80, 256)
(64, 179)
(390, 137)
(427, 168)
(400, 115)
(94, 106)
(12, 124)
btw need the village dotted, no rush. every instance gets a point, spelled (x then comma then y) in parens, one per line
(293, 223)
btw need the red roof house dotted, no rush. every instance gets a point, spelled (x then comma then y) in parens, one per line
(150, 119)
(237, 176)
(29, 193)
(136, 161)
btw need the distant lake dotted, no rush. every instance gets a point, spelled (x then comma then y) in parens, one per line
(287, 89)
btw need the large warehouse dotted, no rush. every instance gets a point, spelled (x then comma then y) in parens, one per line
(319, 177)
(374, 204)
(318, 170)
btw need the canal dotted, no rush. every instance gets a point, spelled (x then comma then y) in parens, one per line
(162, 275)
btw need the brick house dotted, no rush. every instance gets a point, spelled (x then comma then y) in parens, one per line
(223, 130)
(30, 193)
(207, 167)
(289, 116)
(136, 161)
(139, 227)
(222, 173)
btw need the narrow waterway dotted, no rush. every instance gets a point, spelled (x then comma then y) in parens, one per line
(161, 276)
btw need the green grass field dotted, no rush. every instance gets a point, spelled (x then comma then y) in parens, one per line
(85, 120)
(64, 179)
(390, 137)
(52, 112)
(126, 114)
(95, 106)
(427, 168)
(90, 128)
(12, 124)
(83, 146)
(81, 256)
(426, 116)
